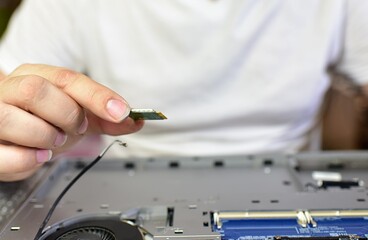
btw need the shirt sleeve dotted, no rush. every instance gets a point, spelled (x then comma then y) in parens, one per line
(354, 58)
(42, 31)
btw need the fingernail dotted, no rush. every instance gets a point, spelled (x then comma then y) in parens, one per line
(60, 139)
(117, 109)
(83, 127)
(43, 155)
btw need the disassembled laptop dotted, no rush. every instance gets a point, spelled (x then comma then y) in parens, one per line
(302, 197)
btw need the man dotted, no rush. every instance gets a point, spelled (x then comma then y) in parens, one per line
(233, 77)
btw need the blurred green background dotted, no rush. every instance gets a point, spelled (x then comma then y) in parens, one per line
(6, 9)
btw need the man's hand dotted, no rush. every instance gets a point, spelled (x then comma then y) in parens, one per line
(45, 109)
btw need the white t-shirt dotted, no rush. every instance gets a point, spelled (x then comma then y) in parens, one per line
(233, 77)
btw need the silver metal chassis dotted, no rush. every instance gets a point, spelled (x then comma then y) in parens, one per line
(143, 190)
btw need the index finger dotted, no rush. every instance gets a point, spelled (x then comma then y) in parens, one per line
(91, 95)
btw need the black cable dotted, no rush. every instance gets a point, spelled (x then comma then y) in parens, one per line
(75, 179)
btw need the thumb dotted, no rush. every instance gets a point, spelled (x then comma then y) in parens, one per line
(89, 94)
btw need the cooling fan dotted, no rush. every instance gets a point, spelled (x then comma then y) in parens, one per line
(92, 233)
(93, 227)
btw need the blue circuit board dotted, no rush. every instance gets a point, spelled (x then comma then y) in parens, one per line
(269, 228)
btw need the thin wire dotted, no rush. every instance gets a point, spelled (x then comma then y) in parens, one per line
(71, 183)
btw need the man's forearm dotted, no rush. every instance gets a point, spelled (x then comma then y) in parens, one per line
(2, 75)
